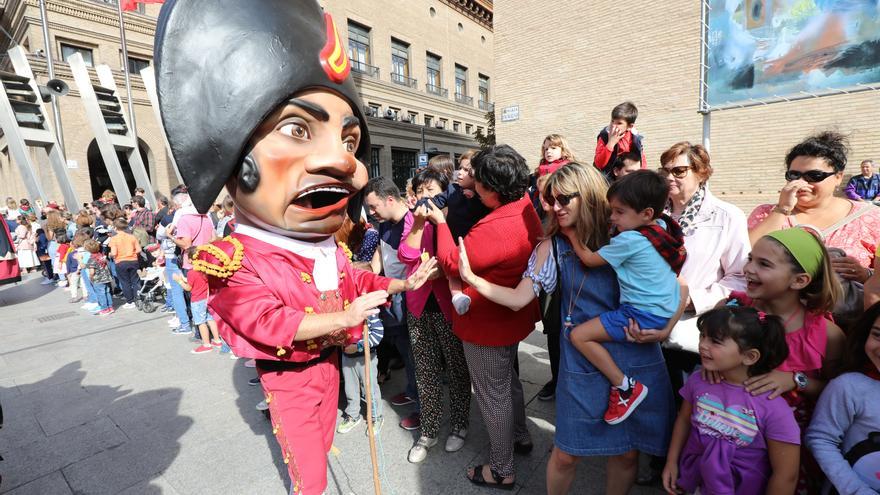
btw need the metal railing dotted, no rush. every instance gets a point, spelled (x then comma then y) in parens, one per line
(485, 105)
(437, 90)
(366, 69)
(403, 80)
(464, 99)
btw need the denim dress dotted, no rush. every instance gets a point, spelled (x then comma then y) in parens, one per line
(582, 391)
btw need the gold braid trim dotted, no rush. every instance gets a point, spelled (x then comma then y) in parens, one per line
(226, 266)
(346, 250)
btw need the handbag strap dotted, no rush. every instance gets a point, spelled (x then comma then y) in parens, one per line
(864, 208)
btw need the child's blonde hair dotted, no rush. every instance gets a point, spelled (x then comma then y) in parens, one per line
(824, 290)
(557, 140)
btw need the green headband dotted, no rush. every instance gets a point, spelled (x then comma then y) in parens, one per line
(805, 248)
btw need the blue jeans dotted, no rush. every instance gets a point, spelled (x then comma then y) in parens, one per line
(102, 292)
(177, 300)
(90, 289)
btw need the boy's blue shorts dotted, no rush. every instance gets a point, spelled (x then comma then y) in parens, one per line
(615, 321)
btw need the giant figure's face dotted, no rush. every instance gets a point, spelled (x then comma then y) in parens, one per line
(305, 156)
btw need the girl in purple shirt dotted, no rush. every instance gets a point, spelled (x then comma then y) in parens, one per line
(727, 441)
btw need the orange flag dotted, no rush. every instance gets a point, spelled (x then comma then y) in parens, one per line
(132, 4)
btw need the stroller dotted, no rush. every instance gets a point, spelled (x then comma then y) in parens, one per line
(152, 291)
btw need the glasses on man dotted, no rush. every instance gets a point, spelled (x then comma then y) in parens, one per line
(811, 176)
(678, 172)
(562, 199)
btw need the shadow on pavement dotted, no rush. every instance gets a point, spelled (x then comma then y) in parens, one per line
(63, 436)
(25, 292)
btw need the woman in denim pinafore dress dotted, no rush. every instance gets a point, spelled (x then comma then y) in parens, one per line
(575, 201)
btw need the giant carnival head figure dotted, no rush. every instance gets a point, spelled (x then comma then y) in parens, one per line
(256, 96)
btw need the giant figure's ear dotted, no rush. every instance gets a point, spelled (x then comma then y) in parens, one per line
(249, 174)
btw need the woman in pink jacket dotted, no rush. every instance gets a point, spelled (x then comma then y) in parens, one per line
(429, 319)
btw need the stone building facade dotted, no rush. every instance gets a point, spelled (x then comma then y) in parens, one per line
(412, 108)
(566, 67)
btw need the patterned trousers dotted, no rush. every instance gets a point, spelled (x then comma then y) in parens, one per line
(500, 395)
(434, 344)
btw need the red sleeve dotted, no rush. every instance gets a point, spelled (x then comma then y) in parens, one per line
(447, 251)
(644, 160)
(603, 155)
(254, 313)
(367, 281)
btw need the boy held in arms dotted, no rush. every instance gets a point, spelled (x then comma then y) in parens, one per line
(647, 254)
(619, 138)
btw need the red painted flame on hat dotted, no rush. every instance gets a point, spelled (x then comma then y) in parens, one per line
(334, 60)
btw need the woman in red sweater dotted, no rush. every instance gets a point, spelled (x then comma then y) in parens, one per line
(501, 244)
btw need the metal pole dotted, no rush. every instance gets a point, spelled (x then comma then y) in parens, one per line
(56, 112)
(423, 139)
(704, 68)
(131, 119)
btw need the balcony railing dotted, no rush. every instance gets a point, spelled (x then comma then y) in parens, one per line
(437, 90)
(485, 105)
(403, 80)
(366, 69)
(464, 99)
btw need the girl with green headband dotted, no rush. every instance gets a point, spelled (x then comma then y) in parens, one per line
(789, 275)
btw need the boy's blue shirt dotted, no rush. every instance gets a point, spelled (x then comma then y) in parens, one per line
(646, 280)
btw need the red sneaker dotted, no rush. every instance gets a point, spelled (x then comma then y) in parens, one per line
(622, 403)
(402, 399)
(411, 422)
(105, 312)
(202, 349)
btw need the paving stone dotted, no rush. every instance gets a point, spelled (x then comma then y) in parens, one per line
(51, 484)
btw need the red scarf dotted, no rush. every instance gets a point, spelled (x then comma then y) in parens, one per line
(548, 168)
(668, 242)
(871, 371)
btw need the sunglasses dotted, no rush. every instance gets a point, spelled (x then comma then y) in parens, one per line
(677, 172)
(811, 176)
(562, 199)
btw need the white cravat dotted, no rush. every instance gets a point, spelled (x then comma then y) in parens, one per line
(325, 275)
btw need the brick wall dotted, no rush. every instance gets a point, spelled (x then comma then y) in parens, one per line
(567, 67)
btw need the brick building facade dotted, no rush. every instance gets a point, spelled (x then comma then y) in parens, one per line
(566, 67)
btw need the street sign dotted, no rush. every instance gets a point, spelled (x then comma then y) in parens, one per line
(509, 114)
(423, 160)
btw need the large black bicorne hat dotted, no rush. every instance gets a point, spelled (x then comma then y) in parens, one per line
(222, 66)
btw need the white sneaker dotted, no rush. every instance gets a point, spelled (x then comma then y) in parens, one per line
(174, 322)
(90, 306)
(262, 405)
(127, 306)
(455, 440)
(419, 451)
(61, 283)
(461, 303)
(47, 281)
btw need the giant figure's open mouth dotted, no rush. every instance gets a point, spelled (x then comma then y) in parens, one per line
(322, 196)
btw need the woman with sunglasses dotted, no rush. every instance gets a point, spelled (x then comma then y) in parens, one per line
(814, 170)
(579, 205)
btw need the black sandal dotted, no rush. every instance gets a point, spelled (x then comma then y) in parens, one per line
(499, 480)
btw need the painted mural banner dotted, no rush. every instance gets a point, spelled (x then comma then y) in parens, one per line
(771, 49)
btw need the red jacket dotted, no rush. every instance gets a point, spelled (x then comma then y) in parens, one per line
(260, 306)
(498, 248)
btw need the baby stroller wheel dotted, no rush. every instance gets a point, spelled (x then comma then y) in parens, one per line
(148, 306)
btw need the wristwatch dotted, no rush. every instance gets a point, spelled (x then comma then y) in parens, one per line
(800, 379)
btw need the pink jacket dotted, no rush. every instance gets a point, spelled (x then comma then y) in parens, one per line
(411, 257)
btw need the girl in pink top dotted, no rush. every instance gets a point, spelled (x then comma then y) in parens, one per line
(789, 275)
(429, 318)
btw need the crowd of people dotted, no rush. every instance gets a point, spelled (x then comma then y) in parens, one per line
(741, 352)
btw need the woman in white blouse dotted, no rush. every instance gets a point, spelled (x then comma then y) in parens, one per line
(717, 241)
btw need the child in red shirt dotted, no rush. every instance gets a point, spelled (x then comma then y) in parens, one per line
(196, 283)
(618, 138)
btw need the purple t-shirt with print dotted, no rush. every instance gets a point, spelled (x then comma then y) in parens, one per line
(726, 451)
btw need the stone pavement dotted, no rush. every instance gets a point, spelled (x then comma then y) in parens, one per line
(117, 404)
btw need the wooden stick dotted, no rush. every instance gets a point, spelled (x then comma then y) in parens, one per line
(377, 486)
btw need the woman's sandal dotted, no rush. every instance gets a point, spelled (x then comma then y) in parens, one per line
(497, 478)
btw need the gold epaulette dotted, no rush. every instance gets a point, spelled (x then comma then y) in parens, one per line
(220, 258)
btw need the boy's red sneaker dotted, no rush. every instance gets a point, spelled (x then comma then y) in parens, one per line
(622, 403)
(202, 349)
(105, 312)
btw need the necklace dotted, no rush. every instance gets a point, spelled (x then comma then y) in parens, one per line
(788, 320)
(571, 300)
